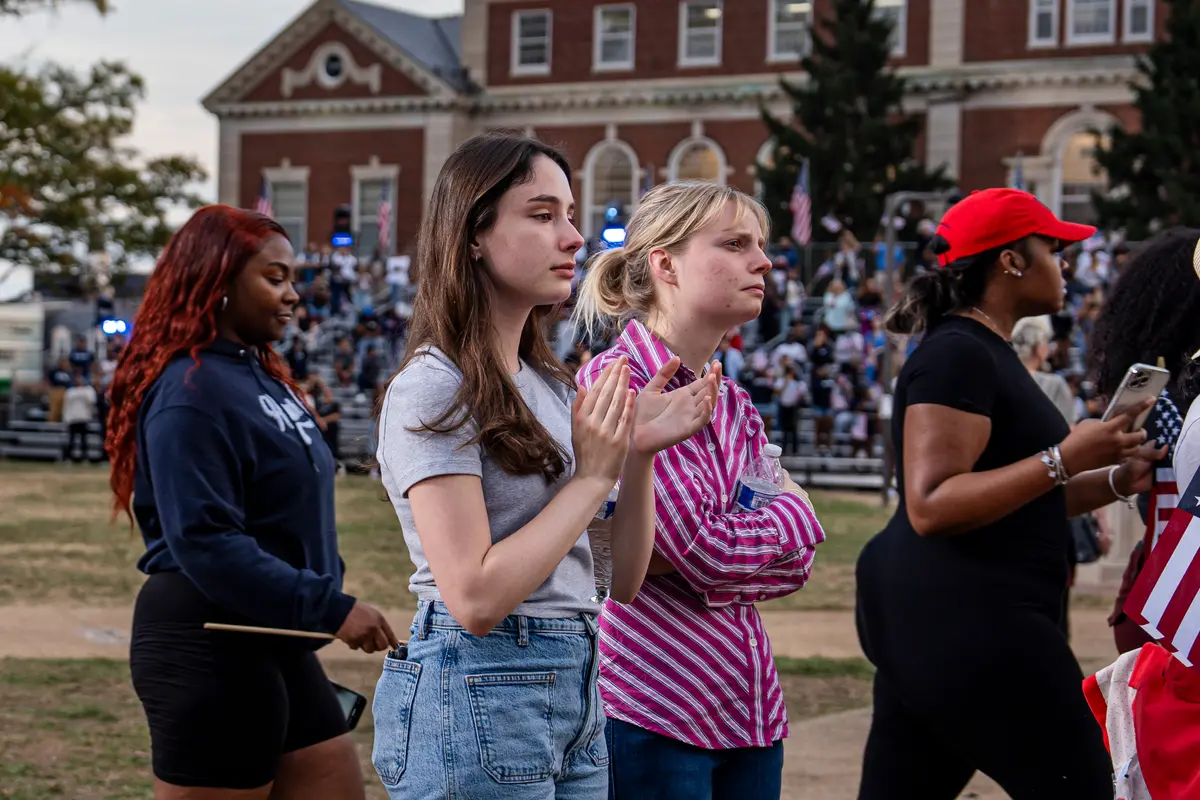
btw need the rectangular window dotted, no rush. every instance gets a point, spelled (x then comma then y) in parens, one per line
(897, 12)
(614, 37)
(1043, 23)
(1091, 21)
(1139, 21)
(531, 42)
(790, 30)
(289, 202)
(700, 33)
(368, 194)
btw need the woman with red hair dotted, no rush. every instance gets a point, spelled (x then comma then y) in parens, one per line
(226, 474)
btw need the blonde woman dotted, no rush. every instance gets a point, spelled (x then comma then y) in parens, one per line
(687, 675)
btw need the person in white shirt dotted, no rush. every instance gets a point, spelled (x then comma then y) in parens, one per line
(79, 410)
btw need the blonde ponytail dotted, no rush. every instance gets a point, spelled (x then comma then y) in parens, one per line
(602, 295)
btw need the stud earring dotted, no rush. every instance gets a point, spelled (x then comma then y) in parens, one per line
(224, 302)
(1014, 273)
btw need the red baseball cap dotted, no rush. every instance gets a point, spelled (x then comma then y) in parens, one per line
(993, 217)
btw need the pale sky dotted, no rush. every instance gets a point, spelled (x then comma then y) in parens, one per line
(182, 48)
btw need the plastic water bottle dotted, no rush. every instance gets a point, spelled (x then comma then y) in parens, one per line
(762, 481)
(601, 544)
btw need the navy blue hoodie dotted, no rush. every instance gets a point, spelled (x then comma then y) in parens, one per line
(234, 488)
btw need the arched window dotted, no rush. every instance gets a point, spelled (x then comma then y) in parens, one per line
(697, 159)
(611, 173)
(765, 157)
(1080, 176)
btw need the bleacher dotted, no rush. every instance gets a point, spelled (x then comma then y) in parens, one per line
(35, 440)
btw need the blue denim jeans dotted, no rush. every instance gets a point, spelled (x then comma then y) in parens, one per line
(649, 766)
(514, 714)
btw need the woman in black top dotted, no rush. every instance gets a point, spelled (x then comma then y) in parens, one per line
(960, 597)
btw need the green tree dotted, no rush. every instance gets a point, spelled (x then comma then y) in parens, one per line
(17, 8)
(69, 183)
(848, 122)
(1154, 174)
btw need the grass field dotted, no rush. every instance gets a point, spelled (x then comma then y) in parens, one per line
(58, 545)
(74, 729)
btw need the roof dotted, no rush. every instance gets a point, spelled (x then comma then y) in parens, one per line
(433, 42)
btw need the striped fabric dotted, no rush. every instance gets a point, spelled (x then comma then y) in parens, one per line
(689, 658)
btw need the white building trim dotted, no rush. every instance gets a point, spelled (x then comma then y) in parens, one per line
(286, 173)
(589, 168)
(315, 71)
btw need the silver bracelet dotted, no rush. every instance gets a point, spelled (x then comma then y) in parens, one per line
(1112, 484)
(1062, 467)
(1054, 466)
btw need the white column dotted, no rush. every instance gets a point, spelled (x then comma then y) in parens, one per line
(444, 131)
(943, 136)
(229, 161)
(946, 33)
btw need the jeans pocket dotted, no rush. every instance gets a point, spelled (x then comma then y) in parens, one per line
(513, 724)
(392, 708)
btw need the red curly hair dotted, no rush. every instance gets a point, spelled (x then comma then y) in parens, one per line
(178, 315)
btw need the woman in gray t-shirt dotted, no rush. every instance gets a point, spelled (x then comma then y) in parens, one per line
(495, 467)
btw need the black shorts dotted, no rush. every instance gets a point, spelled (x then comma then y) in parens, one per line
(222, 707)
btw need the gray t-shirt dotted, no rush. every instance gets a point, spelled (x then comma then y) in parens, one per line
(420, 394)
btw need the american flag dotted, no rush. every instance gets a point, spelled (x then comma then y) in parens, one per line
(801, 206)
(384, 219)
(1165, 599)
(263, 204)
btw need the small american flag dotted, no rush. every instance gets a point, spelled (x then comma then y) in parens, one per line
(385, 219)
(263, 204)
(801, 206)
(1165, 599)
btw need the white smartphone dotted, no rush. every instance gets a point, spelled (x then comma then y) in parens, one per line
(1140, 382)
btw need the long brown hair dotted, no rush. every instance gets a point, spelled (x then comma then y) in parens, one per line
(178, 315)
(454, 302)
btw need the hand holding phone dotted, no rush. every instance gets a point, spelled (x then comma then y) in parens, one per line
(1141, 382)
(1093, 444)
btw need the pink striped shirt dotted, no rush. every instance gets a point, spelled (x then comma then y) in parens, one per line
(689, 658)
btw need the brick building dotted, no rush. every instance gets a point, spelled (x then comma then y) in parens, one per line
(351, 97)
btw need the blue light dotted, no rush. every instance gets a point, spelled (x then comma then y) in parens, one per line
(113, 326)
(611, 213)
(343, 240)
(615, 237)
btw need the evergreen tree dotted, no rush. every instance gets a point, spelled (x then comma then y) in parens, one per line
(1154, 175)
(848, 122)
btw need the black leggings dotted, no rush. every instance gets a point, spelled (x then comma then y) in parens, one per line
(222, 707)
(1002, 695)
